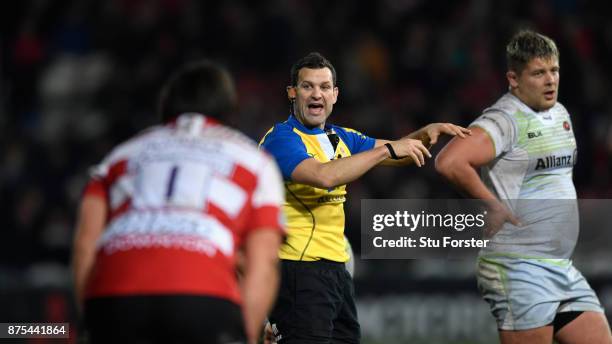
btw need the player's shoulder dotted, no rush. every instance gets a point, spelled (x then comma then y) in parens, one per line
(498, 124)
(124, 151)
(496, 115)
(135, 143)
(231, 137)
(509, 107)
(501, 119)
(237, 147)
(561, 109)
(560, 105)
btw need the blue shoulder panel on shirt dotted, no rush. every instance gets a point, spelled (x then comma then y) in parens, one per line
(287, 148)
(356, 141)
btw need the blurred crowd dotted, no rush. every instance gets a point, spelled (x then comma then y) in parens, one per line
(80, 76)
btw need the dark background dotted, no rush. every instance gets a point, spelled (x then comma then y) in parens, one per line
(78, 77)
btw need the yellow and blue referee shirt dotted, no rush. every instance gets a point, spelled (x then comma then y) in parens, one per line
(315, 217)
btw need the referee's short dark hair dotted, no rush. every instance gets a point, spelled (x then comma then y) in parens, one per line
(202, 87)
(313, 60)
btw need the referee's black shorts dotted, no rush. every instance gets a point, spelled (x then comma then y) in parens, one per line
(315, 304)
(164, 319)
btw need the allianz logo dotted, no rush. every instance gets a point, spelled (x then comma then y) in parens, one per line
(553, 161)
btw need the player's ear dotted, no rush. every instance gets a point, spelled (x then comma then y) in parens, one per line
(512, 78)
(291, 93)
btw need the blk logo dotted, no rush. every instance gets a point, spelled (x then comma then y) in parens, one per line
(534, 135)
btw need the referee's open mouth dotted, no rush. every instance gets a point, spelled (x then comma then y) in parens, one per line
(315, 108)
(550, 95)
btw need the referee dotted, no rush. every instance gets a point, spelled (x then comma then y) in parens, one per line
(316, 298)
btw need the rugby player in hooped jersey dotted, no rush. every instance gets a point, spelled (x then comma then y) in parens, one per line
(163, 216)
(526, 148)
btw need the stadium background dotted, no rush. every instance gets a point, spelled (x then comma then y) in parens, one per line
(80, 76)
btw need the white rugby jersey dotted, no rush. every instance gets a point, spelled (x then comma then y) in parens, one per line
(535, 153)
(182, 197)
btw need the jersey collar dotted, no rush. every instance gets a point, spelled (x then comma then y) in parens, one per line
(207, 121)
(292, 120)
(527, 109)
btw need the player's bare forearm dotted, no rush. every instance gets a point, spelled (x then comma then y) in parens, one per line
(459, 159)
(457, 162)
(83, 258)
(458, 165)
(90, 224)
(261, 279)
(464, 177)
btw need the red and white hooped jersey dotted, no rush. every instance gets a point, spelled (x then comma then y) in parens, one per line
(181, 197)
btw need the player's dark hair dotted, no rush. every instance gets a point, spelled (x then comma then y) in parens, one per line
(526, 45)
(313, 60)
(201, 87)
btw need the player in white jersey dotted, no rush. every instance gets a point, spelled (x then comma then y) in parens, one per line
(163, 216)
(525, 147)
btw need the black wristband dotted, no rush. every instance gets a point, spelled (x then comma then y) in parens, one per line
(391, 151)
